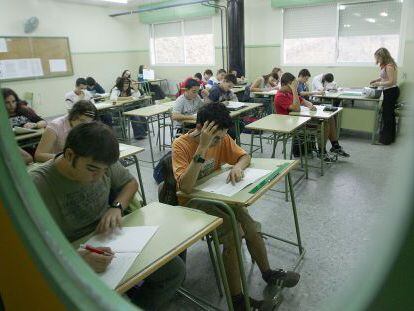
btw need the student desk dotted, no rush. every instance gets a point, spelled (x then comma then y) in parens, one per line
(169, 240)
(268, 97)
(363, 118)
(119, 107)
(30, 139)
(244, 199)
(321, 117)
(285, 126)
(130, 151)
(148, 113)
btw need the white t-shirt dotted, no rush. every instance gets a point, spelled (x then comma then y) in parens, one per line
(71, 98)
(317, 84)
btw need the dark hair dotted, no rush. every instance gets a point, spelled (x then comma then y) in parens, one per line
(123, 73)
(198, 76)
(80, 81)
(83, 108)
(90, 81)
(141, 69)
(216, 112)
(208, 72)
(230, 78)
(287, 78)
(7, 92)
(304, 73)
(221, 71)
(274, 74)
(95, 140)
(119, 84)
(189, 83)
(328, 77)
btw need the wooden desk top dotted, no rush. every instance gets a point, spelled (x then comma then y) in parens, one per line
(244, 198)
(22, 137)
(278, 123)
(238, 89)
(266, 93)
(148, 111)
(179, 228)
(318, 114)
(109, 104)
(128, 150)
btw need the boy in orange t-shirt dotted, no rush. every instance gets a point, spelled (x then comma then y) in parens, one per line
(197, 154)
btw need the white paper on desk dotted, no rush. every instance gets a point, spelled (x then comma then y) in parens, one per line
(117, 269)
(235, 105)
(3, 45)
(57, 65)
(125, 240)
(218, 185)
(123, 147)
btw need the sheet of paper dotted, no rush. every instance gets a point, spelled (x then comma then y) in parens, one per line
(218, 185)
(117, 269)
(20, 68)
(57, 65)
(148, 74)
(235, 105)
(123, 147)
(3, 45)
(126, 239)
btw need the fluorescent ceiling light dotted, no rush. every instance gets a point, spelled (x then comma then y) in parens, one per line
(384, 14)
(342, 7)
(347, 26)
(116, 1)
(371, 20)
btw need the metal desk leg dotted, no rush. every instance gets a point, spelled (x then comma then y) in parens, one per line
(251, 142)
(274, 145)
(237, 129)
(295, 215)
(163, 131)
(150, 143)
(141, 184)
(306, 151)
(322, 151)
(222, 271)
(159, 130)
(128, 138)
(284, 157)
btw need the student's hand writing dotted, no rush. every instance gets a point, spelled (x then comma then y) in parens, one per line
(312, 108)
(30, 125)
(110, 221)
(207, 134)
(236, 174)
(98, 262)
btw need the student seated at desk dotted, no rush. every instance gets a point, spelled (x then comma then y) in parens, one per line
(267, 82)
(199, 153)
(199, 77)
(287, 100)
(207, 75)
(154, 88)
(123, 91)
(240, 78)
(221, 73)
(187, 105)
(324, 82)
(94, 87)
(303, 88)
(19, 114)
(222, 92)
(76, 188)
(54, 137)
(79, 93)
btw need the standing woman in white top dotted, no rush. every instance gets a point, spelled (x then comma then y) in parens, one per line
(122, 91)
(54, 137)
(388, 83)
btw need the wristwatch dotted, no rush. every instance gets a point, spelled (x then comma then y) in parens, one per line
(199, 159)
(118, 205)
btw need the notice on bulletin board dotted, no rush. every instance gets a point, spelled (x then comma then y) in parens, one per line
(20, 68)
(58, 65)
(3, 45)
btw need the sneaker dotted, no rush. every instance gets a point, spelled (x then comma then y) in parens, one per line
(239, 305)
(340, 151)
(326, 157)
(281, 278)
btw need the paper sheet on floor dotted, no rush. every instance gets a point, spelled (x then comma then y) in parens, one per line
(218, 185)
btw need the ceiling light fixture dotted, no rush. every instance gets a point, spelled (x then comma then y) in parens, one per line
(371, 20)
(347, 26)
(342, 7)
(384, 14)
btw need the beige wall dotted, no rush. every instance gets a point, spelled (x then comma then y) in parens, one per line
(103, 46)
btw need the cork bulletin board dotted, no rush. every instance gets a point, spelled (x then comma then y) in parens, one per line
(26, 58)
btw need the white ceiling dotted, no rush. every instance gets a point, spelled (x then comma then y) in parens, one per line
(131, 3)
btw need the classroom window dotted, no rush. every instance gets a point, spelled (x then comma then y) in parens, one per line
(344, 33)
(188, 42)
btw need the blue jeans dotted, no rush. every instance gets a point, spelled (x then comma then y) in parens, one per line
(139, 129)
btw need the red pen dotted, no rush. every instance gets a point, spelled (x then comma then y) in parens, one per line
(95, 250)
